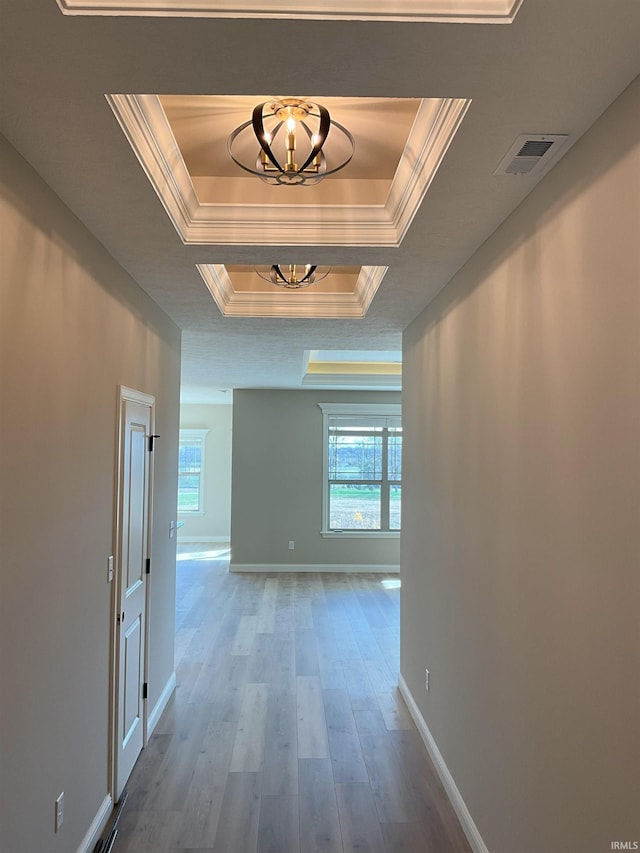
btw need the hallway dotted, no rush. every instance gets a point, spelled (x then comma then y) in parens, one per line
(286, 733)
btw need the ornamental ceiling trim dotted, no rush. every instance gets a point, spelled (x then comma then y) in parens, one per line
(147, 128)
(443, 11)
(291, 304)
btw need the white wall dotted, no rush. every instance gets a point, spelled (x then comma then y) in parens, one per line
(521, 580)
(215, 522)
(276, 490)
(73, 327)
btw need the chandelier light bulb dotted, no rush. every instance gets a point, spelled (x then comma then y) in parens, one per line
(289, 137)
(292, 276)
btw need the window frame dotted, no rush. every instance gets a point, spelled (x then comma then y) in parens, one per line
(374, 410)
(194, 437)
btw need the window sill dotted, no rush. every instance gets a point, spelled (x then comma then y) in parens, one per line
(360, 534)
(185, 513)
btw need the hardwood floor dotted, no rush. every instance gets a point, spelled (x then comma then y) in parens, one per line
(286, 733)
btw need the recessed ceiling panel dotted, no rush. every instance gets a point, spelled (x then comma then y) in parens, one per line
(181, 142)
(353, 369)
(447, 11)
(201, 125)
(246, 279)
(239, 291)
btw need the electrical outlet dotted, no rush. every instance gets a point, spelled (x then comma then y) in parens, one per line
(292, 544)
(426, 680)
(59, 812)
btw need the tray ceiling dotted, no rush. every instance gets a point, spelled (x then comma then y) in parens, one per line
(238, 291)
(452, 11)
(552, 71)
(181, 142)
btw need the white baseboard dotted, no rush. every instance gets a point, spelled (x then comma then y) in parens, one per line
(97, 826)
(187, 539)
(99, 822)
(161, 704)
(313, 567)
(464, 816)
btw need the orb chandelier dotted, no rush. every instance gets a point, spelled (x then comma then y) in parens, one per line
(293, 277)
(289, 137)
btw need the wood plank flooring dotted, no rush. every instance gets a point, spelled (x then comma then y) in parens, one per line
(286, 733)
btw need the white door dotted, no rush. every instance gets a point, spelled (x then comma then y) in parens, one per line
(131, 593)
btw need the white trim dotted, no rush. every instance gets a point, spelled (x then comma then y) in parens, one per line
(131, 395)
(97, 826)
(464, 816)
(161, 704)
(137, 396)
(283, 303)
(373, 409)
(147, 620)
(187, 539)
(349, 568)
(146, 127)
(373, 381)
(360, 534)
(418, 166)
(460, 12)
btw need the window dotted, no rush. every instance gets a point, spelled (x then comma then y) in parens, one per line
(362, 469)
(191, 471)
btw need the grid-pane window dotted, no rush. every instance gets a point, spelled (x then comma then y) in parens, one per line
(395, 454)
(354, 507)
(363, 455)
(191, 471)
(395, 506)
(354, 454)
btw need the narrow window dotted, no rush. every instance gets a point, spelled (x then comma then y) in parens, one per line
(191, 471)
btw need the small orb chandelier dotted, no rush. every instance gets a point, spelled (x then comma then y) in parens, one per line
(293, 277)
(291, 136)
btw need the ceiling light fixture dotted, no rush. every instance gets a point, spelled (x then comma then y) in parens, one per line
(293, 277)
(291, 134)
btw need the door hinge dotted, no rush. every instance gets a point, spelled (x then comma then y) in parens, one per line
(145, 690)
(147, 565)
(151, 438)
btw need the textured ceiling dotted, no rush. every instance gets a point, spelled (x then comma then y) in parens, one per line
(554, 70)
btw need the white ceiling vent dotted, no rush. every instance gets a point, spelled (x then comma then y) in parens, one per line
(531, 153)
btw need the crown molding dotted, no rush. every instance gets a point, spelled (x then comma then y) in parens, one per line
(436, 124)
(452, 12)
(148, 132)
(147, 129)
(377, 381)
(288, 304)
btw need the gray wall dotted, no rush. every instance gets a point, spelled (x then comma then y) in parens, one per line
(276, 492)
(521, 583)
(73, 327)
(215, 523)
